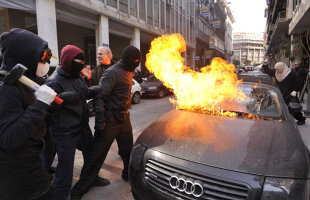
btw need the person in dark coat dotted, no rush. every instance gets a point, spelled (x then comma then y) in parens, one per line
(69, 123)
(286, 81)
(22, 114)
(115, 88)
(104, 56)
(301, 75)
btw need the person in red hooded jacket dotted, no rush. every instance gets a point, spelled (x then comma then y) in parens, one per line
(69, 123)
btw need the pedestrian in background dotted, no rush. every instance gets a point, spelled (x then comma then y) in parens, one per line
(115, 88)
(301, 75)
(22, 114)
(286, 81)
(104, 56)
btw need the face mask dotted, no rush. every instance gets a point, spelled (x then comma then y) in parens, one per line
(76, 69)
(42, 69)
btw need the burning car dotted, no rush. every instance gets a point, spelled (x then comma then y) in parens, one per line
(194, 155)
(229, 137)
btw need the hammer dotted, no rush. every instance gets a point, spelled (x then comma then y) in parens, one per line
(16, 74)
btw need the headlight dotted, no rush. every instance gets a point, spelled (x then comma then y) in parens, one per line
(136, 156)
(153, 88)
(286, 189)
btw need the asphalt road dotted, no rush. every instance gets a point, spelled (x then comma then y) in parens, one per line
(142, 115)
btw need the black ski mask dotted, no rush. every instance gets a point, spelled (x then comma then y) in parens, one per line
(77, 67)
(131, 56)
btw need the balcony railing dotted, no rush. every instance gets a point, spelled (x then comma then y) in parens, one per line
(281, 18)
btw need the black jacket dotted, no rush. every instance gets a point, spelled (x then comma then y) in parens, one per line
(96, 74)
(98, 103)
(21, 121)
(301, 75)
(115, 87)
(286, 86)
(69, 118)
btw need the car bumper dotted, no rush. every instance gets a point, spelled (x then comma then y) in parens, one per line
(150, 93)
(148, 186)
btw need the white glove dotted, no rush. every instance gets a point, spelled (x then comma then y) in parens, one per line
(45, 94)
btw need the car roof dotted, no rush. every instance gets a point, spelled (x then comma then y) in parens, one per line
(257, 79)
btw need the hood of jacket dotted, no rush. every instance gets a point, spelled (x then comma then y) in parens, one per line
(21, 46)
(67, 55)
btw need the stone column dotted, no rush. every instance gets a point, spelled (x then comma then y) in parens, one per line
(102, 31)
(47, 28)
(135, 40)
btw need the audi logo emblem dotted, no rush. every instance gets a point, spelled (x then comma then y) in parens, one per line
(187, 185)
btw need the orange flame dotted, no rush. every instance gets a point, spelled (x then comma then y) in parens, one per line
(206, 91)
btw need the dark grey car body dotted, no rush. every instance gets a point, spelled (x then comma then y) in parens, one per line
(231, 158)
(154, 87)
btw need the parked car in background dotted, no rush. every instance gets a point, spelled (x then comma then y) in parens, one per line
(154, 87)
(192, 155)
(136, 93)
(258, 74)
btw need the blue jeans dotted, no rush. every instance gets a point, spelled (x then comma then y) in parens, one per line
(65, 148)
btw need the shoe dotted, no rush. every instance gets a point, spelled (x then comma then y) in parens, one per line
(101, 181)
(76, 195)
(301, 122)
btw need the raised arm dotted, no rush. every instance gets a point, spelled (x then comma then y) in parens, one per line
(270, 72)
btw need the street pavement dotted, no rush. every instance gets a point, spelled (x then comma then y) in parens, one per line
(142, 115)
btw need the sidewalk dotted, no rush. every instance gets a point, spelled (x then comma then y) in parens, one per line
(305, 129)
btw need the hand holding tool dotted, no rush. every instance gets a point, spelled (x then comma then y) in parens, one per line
(16, 74)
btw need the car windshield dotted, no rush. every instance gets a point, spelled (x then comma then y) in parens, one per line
(260, 100)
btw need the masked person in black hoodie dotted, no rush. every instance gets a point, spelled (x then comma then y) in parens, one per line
(69, 123)
(22, 113)
(115, 88)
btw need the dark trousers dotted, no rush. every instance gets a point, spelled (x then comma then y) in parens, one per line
(50, 195)
(65, 147)
(121, 130)
(49, 151)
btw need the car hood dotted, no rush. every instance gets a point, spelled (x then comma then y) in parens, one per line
(150, 84)
(271, 148)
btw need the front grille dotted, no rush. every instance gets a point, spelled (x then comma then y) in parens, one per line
(157, 176)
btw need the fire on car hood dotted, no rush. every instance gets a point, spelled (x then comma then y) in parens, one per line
(261, 147)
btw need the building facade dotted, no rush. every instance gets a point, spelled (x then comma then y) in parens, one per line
(229, 49)
(248, 48)
(288, 23)
(118, 23)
